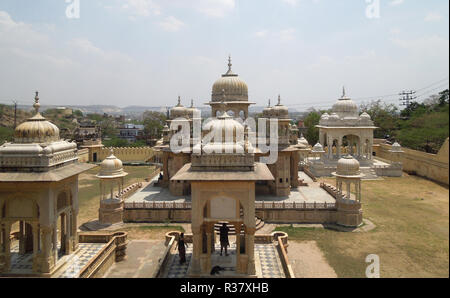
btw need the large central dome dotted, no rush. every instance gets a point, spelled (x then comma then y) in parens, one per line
(229, 87)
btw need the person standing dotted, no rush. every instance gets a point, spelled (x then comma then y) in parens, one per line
(182, 249)
(224, 243)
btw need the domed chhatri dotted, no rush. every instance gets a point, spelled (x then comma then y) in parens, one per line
(345, 107)
(231, 86)
(348, 167)
(36, 129)
(178, 111)
(111, 167)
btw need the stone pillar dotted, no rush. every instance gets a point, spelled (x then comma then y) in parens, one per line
(36, 261)
(338, 147)
(74, 229)
(250, 250)
(47, 260)
(197, 246)
(6, 248)
(237, 227)
(21, 237)
(55, 240)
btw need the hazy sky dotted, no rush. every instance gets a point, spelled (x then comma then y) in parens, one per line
(147, 52)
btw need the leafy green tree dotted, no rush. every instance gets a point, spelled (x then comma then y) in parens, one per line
(153, 124)
(312, 132)
(384, 116)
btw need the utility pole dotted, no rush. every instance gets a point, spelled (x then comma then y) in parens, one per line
(407, 97)
(15, 113)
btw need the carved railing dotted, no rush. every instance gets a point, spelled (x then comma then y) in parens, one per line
(294, 205)
(158, 205)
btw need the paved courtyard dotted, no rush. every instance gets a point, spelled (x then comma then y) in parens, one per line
(142, 260)
(308, 194)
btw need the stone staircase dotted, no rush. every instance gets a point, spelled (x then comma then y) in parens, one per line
(259, 224)
(368, 173)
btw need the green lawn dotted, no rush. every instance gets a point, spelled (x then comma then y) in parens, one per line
(411, 237)
(89, 189)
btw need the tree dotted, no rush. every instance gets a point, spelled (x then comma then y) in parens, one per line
(108, 128)
(384, 116)
(312, 132)
(153, 124)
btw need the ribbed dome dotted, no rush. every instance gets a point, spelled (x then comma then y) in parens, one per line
(345, 107)
(36, 129)
(348, 166)
(229, 87)
(280, 111)
(111, 167)
(178, 111)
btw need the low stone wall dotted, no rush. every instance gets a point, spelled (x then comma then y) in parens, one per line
(432, 166)
(114, 251)
(297, 216)
(126, 154)
(83, 155)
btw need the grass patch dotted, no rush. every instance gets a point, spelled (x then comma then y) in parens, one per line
(89, 189)
(411, 215)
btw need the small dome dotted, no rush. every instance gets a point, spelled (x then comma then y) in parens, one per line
(229, 87)
(365, 116)
(280, 111)
(111, 167)
(325, 116)
(396, 148)
(334, 117)
(345, 107)
(303, 141)
(179, 111)
(318, 148)
(348, 166)
(36, 129)
(267, 111)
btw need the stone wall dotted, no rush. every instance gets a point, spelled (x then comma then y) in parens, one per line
(432, 166)
(125, 154)
(83, 155)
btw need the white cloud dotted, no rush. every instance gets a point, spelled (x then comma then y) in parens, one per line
(396, 2)
(433, 17)
(261, 34)
(287, 34)
(171, 24)
(291, 2)
(215, 8)
(143, 8)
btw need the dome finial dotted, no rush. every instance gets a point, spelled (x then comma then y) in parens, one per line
(192, 103)
(36, 105)
(279, 99)
(229, 63)
(343, 92)
(179, 100)
(269, 103)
